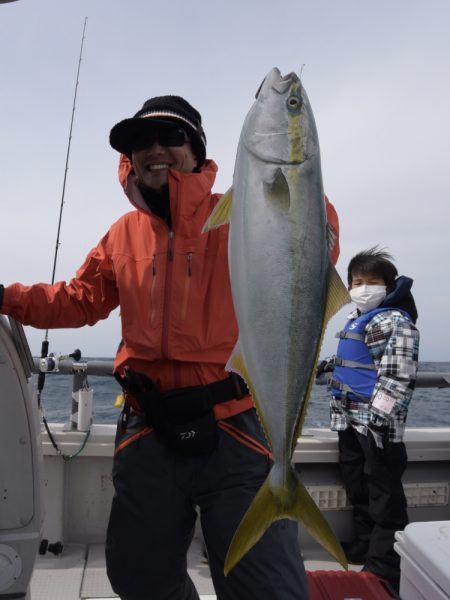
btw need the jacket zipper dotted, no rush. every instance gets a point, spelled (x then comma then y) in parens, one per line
(170, 247)
(167, 296)
(152, 291)
(187, 285)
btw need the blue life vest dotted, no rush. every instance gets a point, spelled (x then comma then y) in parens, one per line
(355, 373)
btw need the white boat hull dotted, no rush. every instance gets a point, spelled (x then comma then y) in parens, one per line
(77, 493)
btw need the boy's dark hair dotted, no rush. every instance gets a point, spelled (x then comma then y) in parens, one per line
(374, 261)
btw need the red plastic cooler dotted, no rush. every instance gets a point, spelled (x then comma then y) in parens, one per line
(347, 585)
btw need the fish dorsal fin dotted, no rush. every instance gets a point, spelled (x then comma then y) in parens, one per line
(337, 297)
(221, 212)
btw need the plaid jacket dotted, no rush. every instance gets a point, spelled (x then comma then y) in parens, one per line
(393, 342)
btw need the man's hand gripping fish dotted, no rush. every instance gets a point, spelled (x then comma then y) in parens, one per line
(285, 290)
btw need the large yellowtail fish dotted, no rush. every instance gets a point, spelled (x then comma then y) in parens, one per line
(284, 291)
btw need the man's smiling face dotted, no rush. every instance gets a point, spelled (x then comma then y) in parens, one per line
(151, 161)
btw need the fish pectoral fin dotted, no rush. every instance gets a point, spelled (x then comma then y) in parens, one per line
(337, 295)
(277, 193)
(293, 502)
(221, 213)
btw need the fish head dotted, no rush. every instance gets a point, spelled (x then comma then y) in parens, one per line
(280, 127)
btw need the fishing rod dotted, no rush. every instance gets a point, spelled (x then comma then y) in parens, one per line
(45, 343)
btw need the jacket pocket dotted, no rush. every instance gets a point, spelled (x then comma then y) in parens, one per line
(245, 438)
(127, 440)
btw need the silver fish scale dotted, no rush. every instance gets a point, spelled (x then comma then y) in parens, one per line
(278, 265)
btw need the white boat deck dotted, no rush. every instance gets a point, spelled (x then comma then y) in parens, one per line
(81, 573)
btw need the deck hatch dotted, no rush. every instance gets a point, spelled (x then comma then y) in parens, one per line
(427, 494)
(334, 497)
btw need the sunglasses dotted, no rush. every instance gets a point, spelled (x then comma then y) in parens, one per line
(164, 136)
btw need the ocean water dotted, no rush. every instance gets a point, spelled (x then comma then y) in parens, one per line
(430, 407)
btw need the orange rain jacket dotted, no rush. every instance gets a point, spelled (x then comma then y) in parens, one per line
(173, 288)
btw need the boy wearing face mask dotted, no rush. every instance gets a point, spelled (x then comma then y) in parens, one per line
(373, 381)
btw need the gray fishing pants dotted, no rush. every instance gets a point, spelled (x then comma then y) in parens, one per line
(154, 511)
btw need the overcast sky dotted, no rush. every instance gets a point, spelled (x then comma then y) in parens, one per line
(377, 76)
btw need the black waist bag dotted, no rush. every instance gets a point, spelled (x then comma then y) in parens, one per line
(187, 421)
(182, 418)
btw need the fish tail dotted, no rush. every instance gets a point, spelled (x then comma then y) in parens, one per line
(260, 515)
(292, 502)
(306, 511)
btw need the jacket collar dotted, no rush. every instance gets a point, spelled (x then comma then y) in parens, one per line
(188, 191)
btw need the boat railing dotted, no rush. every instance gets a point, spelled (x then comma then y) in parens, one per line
(82, 392)
(425, 379)
(104, 368)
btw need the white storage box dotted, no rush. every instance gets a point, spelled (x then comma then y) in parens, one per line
(424, 549)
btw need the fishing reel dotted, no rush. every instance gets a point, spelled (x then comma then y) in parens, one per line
(50, 363)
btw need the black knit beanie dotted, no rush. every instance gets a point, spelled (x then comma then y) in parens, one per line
(161, 110)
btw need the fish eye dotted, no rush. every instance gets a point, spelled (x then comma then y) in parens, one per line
(293, 102)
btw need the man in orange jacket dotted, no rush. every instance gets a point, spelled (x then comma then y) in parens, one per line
(188, 436)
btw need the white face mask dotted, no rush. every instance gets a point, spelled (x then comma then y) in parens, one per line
(367, 297)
